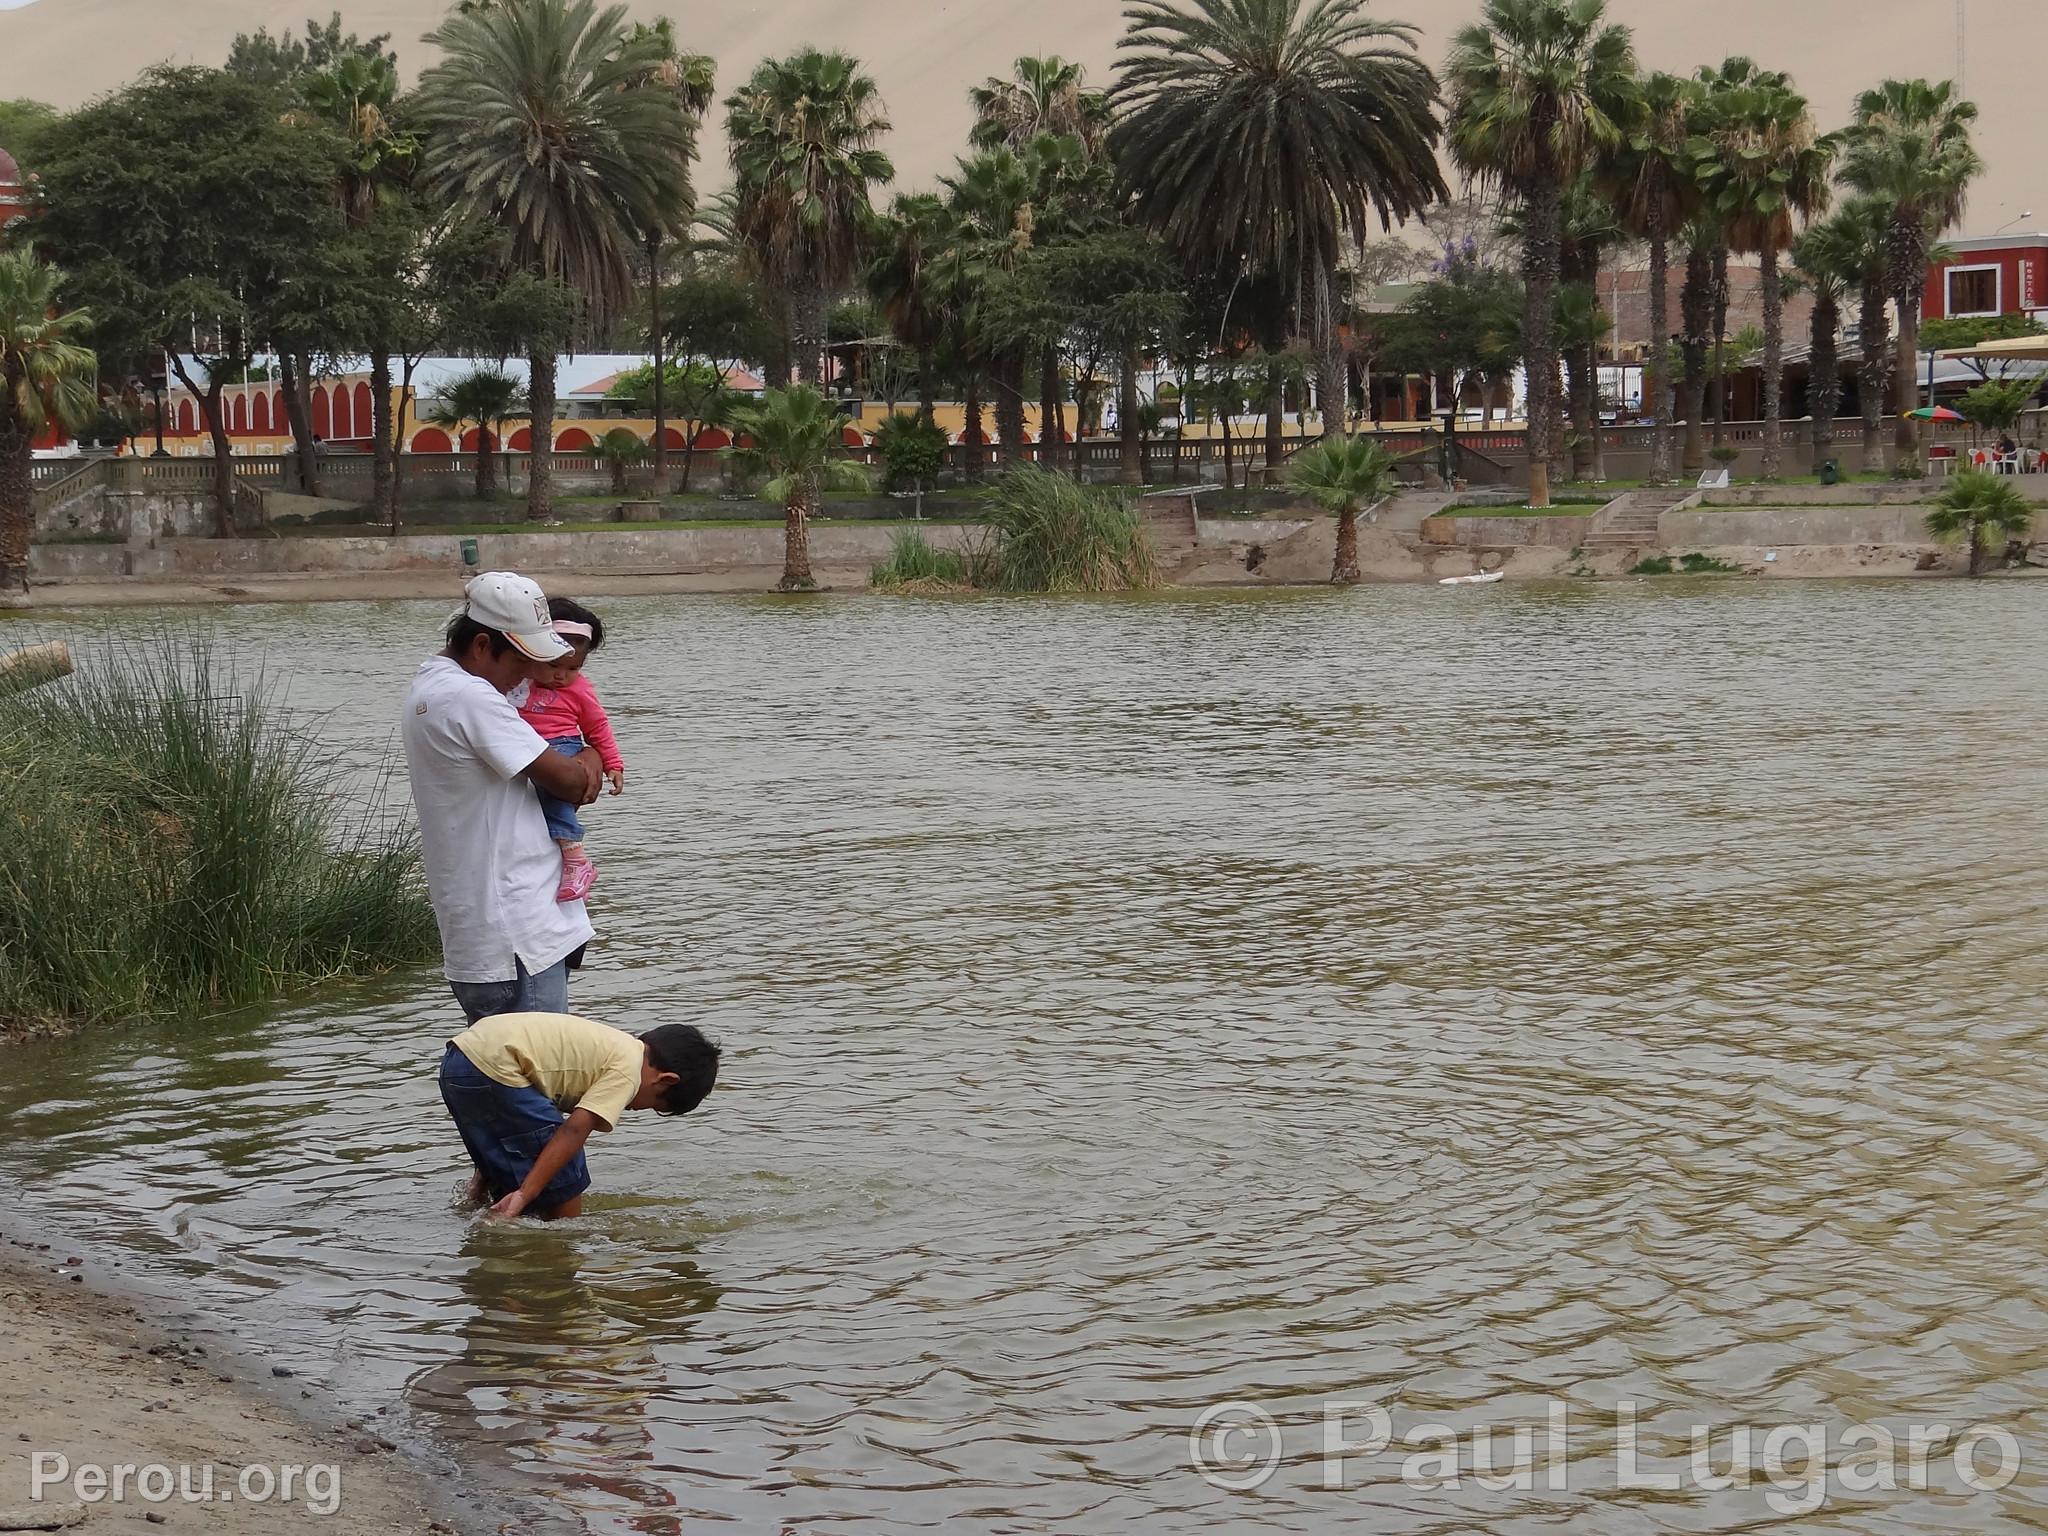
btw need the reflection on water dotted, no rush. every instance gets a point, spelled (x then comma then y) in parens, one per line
(1458, 1001)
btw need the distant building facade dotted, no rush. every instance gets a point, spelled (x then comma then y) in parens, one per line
(1986, 279)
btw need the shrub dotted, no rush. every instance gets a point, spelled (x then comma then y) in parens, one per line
(1056, 535)
(912, 449)
(171, 840)
(1976, 501)
(915, 566)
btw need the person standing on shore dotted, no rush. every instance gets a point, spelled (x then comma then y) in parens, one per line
(492, 868)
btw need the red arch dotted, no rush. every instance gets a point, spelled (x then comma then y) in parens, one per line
(238, 414)
(321, 424)
(521, 440)
(471, 437)
(260, 418)
(851, 437)
(343, 426)
(188, 422)
(671, 438)
(575, 440)
(713, 437)
(432, 440)
(280, 421)
(365, 410)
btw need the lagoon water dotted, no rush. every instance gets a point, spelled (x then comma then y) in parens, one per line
(1465, 1002)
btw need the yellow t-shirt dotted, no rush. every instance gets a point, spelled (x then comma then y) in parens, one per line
(578, 1063)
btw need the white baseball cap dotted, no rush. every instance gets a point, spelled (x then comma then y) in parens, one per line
(517, 608)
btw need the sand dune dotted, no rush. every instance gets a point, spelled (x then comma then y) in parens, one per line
(925, 53)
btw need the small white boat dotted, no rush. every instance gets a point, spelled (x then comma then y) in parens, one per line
(1482, 579)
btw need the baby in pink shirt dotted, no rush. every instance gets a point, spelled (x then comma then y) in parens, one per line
(561, 705)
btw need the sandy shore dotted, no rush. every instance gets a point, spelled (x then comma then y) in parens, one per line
(90, 1381)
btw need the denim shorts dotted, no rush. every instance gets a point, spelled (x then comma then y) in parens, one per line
(505, 1130)
(564, 826)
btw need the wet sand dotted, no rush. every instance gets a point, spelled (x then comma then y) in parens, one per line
(90, 1380)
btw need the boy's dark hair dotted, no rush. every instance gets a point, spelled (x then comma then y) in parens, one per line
(576, 613)
(462, 633)
(683, 1050)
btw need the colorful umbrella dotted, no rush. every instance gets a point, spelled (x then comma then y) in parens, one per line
(1935, 413)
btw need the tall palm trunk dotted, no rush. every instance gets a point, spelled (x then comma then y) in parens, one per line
(1906, 260)
(972, 447)
(1344, 569)
(1539, 336)
(1720, 346)
(1824, 375)
(807, 331)
(383, 452)
(1656, 383)
(796, 537)
(17, 474)
(540, 461)
(660, 473)
(1333, 373)
(1695, 309)
(1578, 385)
(1875, 376)
(1052, 423)
(927, 401)
(1130, 466)
(298, 410)
(1009, 377)
(486, 462)
(1774, 360)
(1276, 424)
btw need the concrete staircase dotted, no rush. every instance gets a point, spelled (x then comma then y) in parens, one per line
(1630, 521)
(1170, 523)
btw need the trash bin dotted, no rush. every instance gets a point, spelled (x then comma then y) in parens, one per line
(1831, 473)
(469, 555)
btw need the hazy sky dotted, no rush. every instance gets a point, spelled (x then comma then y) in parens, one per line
(925, 54)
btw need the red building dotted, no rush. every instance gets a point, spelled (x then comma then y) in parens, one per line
(2005, 275)
(15, 199)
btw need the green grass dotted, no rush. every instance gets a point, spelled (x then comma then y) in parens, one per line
(1683, 565)
(172, 841)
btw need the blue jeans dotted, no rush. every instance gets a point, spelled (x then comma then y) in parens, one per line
(505, 1130)
(563, 825)
(526, 992)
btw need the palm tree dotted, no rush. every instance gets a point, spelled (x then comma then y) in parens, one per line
(1975, 501)
(691, 78)
(1909, 147)
(907, 279)
(1539, 89)
(1654, 188)
(1042, 96)
(1695, 323)
(46, 377)
(544, 119)
(483, 398)
(1344, 475)
(1257, 134)
(619, 450)
(1589, 225)
(803, 132)
(1762, 169)
(1828, 255)
(992, 196)
(1717, 87)
(355, 95)
(796, 437)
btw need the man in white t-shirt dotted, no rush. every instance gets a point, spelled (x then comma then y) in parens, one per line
(492, 869)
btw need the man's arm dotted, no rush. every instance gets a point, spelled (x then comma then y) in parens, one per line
(567, 1141)
(574, 779)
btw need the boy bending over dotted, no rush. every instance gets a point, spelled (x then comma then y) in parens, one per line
(527, 1089)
